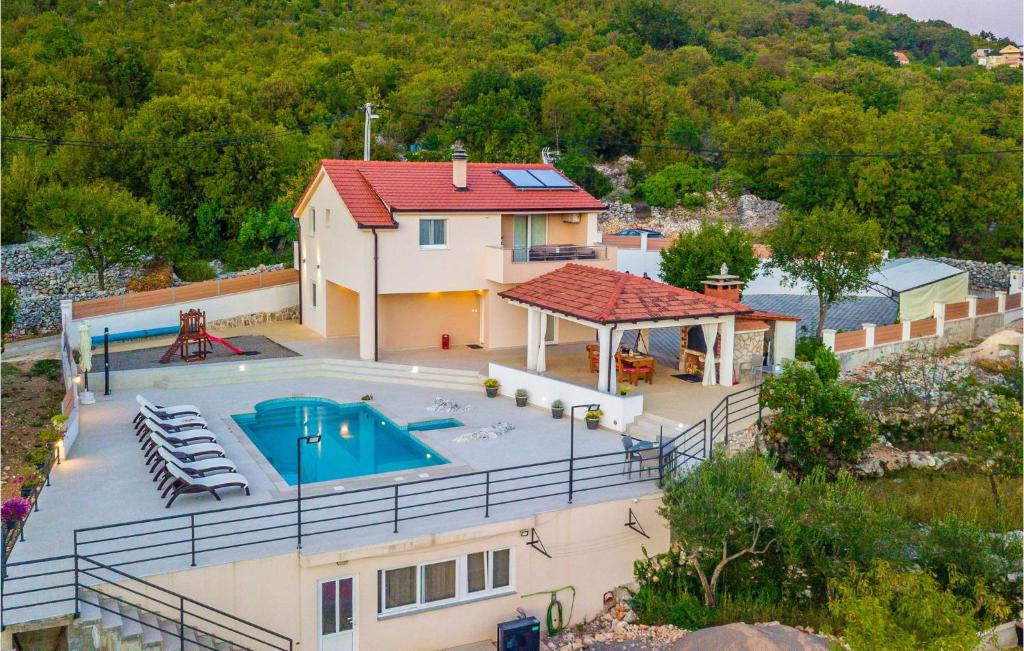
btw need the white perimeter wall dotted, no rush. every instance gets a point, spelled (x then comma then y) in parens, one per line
(619, 411)
(266, 299)
(637, 261)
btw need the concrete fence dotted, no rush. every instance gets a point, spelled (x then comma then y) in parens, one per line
(949, 323)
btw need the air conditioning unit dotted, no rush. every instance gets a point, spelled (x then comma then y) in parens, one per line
(519, 635)
(574, 218)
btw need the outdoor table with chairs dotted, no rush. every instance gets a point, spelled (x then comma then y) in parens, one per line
(629, 366)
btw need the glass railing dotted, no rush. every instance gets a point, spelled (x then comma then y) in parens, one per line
(556, 252)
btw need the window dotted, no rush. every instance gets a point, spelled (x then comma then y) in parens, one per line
(473, 576)
(433, 233)
(327, 216)
(313, 295)
(312, 220)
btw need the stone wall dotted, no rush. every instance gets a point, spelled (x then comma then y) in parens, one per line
(747, 344)
(256, 318)
(985, 276)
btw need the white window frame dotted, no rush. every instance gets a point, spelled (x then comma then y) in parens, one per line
(312, 221)
(355, 609)
(462, 593)
(435, 247)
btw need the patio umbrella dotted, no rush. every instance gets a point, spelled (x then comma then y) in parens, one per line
(85, 350)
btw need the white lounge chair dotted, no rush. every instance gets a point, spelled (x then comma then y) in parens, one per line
(166, 411)
(191, 452)
(183, 483)
(177, 439)
(199, 468)
(169, 424)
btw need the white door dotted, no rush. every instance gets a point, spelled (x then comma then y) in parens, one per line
(336, 601)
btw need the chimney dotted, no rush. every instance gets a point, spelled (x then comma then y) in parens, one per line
(724, 285)
(459, 166)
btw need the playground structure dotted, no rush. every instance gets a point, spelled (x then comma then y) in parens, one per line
(193, 342)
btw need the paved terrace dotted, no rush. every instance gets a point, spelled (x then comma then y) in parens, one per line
(105, 481)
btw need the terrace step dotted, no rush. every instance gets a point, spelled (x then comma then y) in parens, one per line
(110, 617)
(648, 427)
(151, 637)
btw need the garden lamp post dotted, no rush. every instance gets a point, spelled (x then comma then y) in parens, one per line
(309, 440)
(572, 438)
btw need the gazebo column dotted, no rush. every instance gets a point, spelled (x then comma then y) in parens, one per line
(533, 319)
(604, 340)
(542, 333)
(613, 373)
(727, 332)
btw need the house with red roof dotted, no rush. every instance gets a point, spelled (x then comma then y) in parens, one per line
(409, 255)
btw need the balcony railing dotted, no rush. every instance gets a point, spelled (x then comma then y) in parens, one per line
(557, 252)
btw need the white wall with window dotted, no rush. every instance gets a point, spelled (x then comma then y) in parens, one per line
(443, 582)
(433, 233)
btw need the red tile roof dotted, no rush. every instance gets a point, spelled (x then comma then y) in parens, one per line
(373, 190)
(605, 296)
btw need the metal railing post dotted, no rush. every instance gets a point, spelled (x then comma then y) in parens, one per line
(661, 455)
(727, 418)
(78, 610)
(396, 510)
(192, 535)
(487, 495)
(3, 552)
(181, 622)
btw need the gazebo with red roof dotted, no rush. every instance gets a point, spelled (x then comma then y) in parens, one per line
(612, 303)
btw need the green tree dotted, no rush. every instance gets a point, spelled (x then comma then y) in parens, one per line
(270, 230)
(992, 439)
(103, 225)
(692, 257)
(832, 250)
(680, 183)
(724, 511)
(816, 422)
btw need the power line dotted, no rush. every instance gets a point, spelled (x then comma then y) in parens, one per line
(719, 151)
(179, 144)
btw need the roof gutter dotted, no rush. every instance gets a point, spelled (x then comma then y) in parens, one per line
(376, 307)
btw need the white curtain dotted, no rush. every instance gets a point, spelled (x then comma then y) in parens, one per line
(710, 331)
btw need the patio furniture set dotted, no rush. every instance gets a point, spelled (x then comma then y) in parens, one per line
(629, 366)
(181, 451)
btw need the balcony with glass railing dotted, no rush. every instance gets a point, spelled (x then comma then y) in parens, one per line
(516, 264)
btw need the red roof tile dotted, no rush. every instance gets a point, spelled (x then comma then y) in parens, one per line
(605, 296)
(372, 190)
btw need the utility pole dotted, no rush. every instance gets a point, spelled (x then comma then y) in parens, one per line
(370, 117)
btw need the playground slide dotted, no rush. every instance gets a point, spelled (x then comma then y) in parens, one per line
(234, 349)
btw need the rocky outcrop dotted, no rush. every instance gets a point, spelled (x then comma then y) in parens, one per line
(883, 458)
(746, 211)
(984, 276)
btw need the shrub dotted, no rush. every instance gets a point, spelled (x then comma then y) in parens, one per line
(885, 608)
(155, 275)
(522, 393)
(816, 423)
(269, 230)
(192, 271)
(807, 347)
(692, 257)
(15, 509)
(593, 414)
(973, 564)
(677, 184)
(8, 308)
(48, 367)
(492, 383)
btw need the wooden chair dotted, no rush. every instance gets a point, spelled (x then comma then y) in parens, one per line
(625, 372)
(594, 357)
(645, 369)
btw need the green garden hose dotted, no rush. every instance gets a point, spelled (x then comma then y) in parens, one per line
(556, 623)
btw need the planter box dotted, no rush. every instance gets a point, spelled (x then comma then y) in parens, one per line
(592, 423)
(520, 401)
(557, 412)
(492, 392)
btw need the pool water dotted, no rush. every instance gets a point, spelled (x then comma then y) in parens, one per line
(355, 439)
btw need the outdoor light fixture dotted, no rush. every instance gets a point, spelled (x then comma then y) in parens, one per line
(572, 438)
(312, 439)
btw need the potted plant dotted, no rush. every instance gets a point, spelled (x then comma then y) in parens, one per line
(60, 423)
(625, 390)
(491, 386)
(50, 436)
(30, 479)
(521, 396)
(38, 457)
(14, 510)
(557, 409)
(593, 417)
(367, 397)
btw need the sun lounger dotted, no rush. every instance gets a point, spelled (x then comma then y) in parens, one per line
(166, 411)
(177, 439)
(191, 452)
(169, 424)
(183, 483)
(200, 468)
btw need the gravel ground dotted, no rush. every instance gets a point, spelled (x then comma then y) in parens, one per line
(150, 357)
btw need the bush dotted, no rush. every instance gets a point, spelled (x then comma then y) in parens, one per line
(808, 347)
(192, 271)
(48, 367)
(268, 231)
(974, 564)
(885, 608)
(8, 308)
(677, 184)
(815, 423)
(580, 171)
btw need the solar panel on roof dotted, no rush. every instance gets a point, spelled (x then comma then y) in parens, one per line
(521, 178)
(552, 179)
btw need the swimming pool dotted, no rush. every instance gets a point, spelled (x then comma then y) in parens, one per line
(356, 439)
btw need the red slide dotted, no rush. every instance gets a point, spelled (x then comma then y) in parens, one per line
(235, 350)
